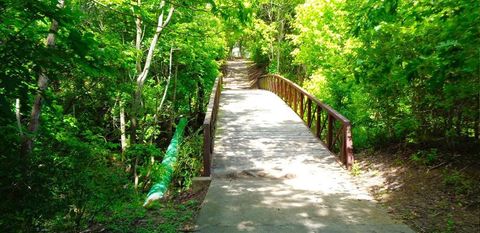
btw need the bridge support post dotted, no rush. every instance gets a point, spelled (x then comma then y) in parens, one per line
(207, 154)
(309, 113)
(295, 101)
(302, 108)
(348, 147)
(318, 124)
(330, 127)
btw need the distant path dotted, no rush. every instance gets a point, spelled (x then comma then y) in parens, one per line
(272, 175)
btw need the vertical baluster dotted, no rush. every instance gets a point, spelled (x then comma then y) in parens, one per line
(278, 86)
(348, 147)
(319, 122)
(206, 150)
(289, 88)
(302, 106)
(275, 89)
(330, 127)
(282, 89)
(295, 100)
(309, 112)
(272, 85)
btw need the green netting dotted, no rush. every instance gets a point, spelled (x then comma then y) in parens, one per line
(158, 189)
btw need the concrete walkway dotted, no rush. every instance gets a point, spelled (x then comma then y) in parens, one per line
(272, 175)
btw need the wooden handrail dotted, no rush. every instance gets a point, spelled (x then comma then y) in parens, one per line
(209, 125)
(316, 115)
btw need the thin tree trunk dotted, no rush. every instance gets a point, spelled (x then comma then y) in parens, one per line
(34, 123)
(123, 139)
(143, 75)
(477, 119)
(168, 81)
(175, 89)
(19, 117)
(138, 66)
(138, 40)
(280, 39)
(141, 81)
(159, 108)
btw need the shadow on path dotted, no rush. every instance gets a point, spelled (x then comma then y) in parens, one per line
(270, 174)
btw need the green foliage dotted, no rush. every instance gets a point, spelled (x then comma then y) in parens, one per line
(69, 180)
(457, 181)
(401, 71)
(356, 170)
(76, 171)
(450, 225)
(425, 157)
(266, 39)
(190, 162)
(147, 158)
(131, 217)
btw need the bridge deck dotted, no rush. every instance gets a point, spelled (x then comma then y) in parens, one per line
(270, 174)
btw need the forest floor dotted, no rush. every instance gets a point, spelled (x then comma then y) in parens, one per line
(429, 190)
(174, 213)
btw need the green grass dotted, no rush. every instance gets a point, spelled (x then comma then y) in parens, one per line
(167, 216)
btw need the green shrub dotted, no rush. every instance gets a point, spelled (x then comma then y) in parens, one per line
(425, 157)
(457, 181)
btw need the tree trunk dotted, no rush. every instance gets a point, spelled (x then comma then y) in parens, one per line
(19, 117)
(477, 119)
(141, 81)
(279, 41)
(138, 40)
(143, 75)
(123, 139)
(159, 108)
(34, 123)
(174, 99)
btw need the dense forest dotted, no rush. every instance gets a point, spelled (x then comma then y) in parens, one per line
(401, 71)
(91, 90)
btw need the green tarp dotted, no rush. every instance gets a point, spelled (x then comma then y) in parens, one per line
(158, 190)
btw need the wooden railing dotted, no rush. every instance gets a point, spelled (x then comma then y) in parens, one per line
(209, 125)
(317, 116)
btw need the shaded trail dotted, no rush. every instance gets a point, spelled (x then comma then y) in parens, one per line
(270, 174)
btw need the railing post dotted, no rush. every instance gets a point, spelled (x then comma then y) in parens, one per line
(277, 88)
(282, 94)
(209, 125)
(274, 81)
(319, 122)
(281, 88)
(290, 92)
(331, 121)
(309, 112)
(302, 107)
(348, 147)
(206, 150)
(292, 98)
(295, 100)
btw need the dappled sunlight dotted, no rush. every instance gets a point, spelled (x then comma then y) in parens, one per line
(270, 173)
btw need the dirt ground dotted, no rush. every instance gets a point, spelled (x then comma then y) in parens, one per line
(428, 190)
